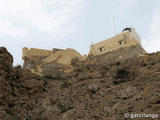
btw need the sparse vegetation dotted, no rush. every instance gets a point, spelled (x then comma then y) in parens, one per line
(47, 76)
(122, 73)
(99, 92)
(64, 108)
(18, 67)
(65, 84)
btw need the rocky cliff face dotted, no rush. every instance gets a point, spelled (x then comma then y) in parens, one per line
(96, 91)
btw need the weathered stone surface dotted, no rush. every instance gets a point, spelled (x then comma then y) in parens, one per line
(25, 95)
(33, 83)
(43, 61)
(122, 40)
(6, 59)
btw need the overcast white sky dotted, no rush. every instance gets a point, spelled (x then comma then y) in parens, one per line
(74, 24)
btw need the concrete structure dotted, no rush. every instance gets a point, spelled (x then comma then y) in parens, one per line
(128, 37)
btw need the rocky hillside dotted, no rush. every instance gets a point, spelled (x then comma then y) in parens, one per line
(96, 91)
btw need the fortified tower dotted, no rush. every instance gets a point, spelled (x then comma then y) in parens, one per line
(128, 37)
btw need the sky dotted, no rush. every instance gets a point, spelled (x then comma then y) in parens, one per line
(48, 24)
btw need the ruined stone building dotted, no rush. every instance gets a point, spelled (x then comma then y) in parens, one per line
(127, 37)
(35, 59)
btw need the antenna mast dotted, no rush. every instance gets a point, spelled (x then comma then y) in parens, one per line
(114, 25)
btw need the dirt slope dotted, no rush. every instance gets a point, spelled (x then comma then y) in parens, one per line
(90, 92)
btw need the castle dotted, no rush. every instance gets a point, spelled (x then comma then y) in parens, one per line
(126, 38)
(33, 56)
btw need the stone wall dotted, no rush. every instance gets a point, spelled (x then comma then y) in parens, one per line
(34, 52)
(124, 39)
(119, 55)
(38, 59)
(63, 57)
